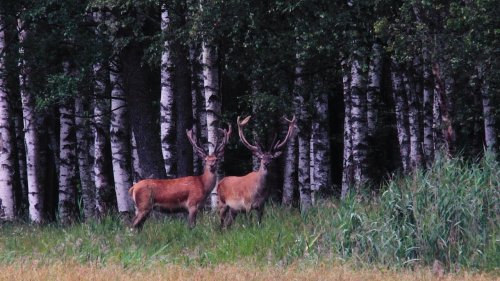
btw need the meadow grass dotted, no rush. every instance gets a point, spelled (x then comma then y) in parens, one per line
(450, 213)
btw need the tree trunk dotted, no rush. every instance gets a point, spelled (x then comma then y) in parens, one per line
(413, 119)
(100, 129)
(68, 160)
(30, 133)
(446, 129)
(143, 120)
(347, 163)
(428, 97)
(321, 144)
(359, 124)
(490, 134)
(84, 144)
(22, 201)
(254, 86)
(290, 180)
(373, 91)
(183, 102)
(120, 141)
(136, 168)
(198, 103)
(167, 100)
(7, 201)
(213, 101)
(401, 110)
(304, 138)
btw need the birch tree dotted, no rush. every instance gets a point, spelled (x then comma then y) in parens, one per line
(167, 100)
(7, 205)
(373, 91)
(120, 141)
(428, 97)
(413, 118)
(304, 137)
(84, 150)
(198, 103)
(30, 131)
(347, 162)
(101, 125)
(67, 155)
(490, 133)
(320, 142)
(401, 111)
(290, 171)
(212, 100)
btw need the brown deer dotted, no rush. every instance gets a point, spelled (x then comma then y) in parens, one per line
(246, 193)
(186, 193)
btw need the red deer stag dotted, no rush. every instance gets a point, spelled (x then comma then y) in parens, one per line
(182, 193)
(249, 192)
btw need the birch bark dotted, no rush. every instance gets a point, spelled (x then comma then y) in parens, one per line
(30, 132)
(120, 144)
(7, 202)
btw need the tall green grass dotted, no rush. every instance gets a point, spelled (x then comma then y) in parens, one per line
(449, 213)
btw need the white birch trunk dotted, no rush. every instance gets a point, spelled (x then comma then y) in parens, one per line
(373, 91)
(30, 134)
(304, 138)
(320, 144)
(290, 180)
(120, 145)
(84, 146)
(136, 168)
(428, 98)
(7, 206)
(359, 128)
(67, 155)
(401, 110)
(212, 102)
(347, 163)
(290, 171)
(101, 126)
(255, 90)
(490, 134)
(167, 124)
(413, 121)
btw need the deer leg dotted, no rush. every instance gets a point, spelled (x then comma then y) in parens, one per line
(223, 210)
(230, 216)
(192, 211)
(260, 213)
(139, 219)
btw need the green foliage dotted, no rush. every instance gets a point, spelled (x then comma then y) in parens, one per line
(450, 213)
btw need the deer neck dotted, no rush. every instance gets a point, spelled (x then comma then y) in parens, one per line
(262, 176)
(208, 179)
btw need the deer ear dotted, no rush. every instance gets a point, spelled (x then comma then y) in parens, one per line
(277, 154)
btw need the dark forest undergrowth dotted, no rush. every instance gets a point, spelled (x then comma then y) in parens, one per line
(449, 214)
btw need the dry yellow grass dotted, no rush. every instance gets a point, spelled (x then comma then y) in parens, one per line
(74, 272)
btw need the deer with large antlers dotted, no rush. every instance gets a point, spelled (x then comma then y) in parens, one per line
(186, 193)
(246, 193)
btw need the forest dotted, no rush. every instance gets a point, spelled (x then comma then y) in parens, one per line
(97, 95)
(368, 129)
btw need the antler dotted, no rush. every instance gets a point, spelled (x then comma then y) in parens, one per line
(291, 129)
(227, 133)
(194, 143)
(241, 124)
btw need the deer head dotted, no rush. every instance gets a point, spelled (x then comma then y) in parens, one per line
(276, 147)
(210, 159)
